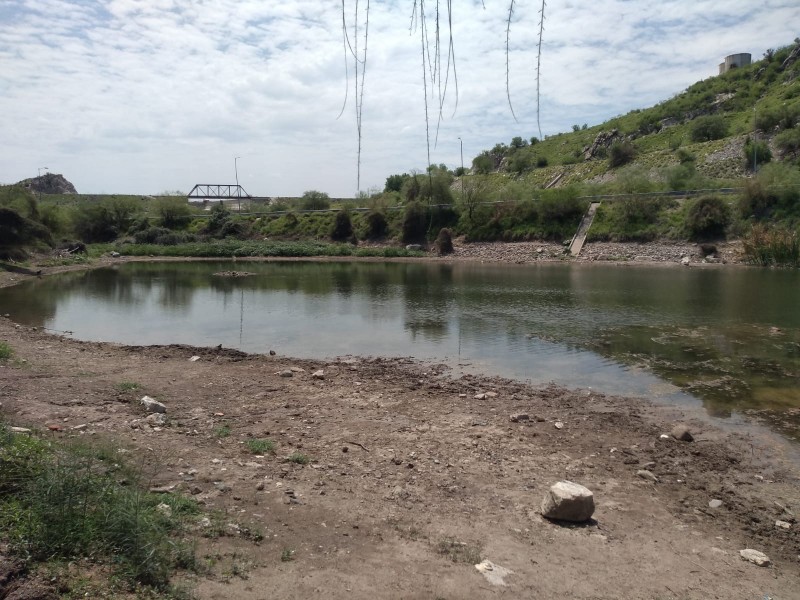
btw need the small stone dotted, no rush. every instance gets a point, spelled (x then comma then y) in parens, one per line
(260, 486)
(686, 261)
(783, 524)
(413, 247)
(480, 396)
(115, 255)
(222, 486)
(491, 394)
(272, 353)
(681, 432)
(754, 556)
(568, 501)
(345, 449)
(318, 374)
(715, 503)
(645, 474)
(152, 405)
(559, 425)
(516, 418)
(164, 509)
(156, 419)
(195, 489)
(194, 359)
(297, 370)
(286, 373)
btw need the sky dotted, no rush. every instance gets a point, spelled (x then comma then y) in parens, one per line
(149, 96)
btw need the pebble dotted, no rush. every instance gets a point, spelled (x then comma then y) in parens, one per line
(152, 405)
(715, 503)
(783, 524)
(516, 418)
(318, 374)
(754, 556)
(559, 425)
(285, 373)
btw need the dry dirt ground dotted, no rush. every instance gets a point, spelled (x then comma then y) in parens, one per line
(416, 475)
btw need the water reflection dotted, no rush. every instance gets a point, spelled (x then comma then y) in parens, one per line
(729, 337)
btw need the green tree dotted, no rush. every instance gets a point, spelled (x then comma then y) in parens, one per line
(483, 163)
(707, 218)
(315, 200)
(707, 128)
(620, 153)
(394, 183)
(173, 212)
(414, 223)
(756, 153)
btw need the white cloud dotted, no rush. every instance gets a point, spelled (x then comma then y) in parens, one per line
(140, 96)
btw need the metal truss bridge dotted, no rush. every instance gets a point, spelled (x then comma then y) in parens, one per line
(216, 191)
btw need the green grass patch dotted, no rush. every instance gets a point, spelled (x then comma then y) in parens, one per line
(5, 351)
(774, 246)
(260, 446)
(67, 501)
(127, 386)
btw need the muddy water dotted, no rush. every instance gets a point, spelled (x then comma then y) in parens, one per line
(729, 338)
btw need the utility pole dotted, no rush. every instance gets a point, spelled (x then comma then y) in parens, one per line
(238, 189)
(461, 142)
(38, 192)
(755, 146)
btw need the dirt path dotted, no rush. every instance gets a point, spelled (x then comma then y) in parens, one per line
(414, 476)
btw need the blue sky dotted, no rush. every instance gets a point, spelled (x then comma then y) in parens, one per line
(144, 96)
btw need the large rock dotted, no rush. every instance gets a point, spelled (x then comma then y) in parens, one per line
(567, 501)
(755, 557)
(681, 432)
(153, 406)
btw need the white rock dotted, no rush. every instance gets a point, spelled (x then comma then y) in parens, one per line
(164, 509)
(645, 474)
(194, 359)
(156, 419)
(152, 405)
(686, 260)
(783, 524)
(755, 557)
(568, 501)
(495, 574)
(19, 429)
(559, 425)
(297, 370)
(285, 373)
(715, 503)
(318, 374)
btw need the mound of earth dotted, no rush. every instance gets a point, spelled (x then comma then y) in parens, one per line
(49, 183)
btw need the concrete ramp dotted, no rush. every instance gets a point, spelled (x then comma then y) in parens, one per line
(578, 240)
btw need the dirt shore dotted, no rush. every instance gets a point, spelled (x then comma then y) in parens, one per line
(415, 475)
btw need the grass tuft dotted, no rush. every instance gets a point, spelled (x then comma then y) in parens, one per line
(260, 446)
(5, 351)
(299, 459)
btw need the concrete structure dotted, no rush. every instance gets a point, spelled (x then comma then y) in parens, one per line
(735, 61)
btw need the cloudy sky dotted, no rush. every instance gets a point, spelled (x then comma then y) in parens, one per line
(144, 96)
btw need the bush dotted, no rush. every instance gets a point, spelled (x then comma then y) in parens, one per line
(94, 223)
(17, 231)
(707, 128)
(414, 223)
(444, 242)
(377, 226)
(707, 218)
(161, 236)
(173, 212)
(314, 200)
(342, 227)
(541, 162)
(620, 153)
(5, 351)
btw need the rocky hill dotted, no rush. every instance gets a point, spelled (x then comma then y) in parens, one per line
(49, 183)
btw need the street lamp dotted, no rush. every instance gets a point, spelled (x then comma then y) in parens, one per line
(40, 170)
(238, 189)
(461, 142)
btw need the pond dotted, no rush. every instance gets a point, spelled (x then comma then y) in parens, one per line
(729, 338)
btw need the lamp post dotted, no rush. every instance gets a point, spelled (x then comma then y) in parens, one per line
(755, 145)
(238, 189)
(461, 143)
(40, 170)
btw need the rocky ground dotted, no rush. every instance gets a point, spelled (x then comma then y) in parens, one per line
(650, 252)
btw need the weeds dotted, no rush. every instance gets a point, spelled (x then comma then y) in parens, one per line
(5, 351)
(287, 555)
(459, 552)
(299, 458)
(260, 446)
(222, 431)
(772, 246)
(68, 501)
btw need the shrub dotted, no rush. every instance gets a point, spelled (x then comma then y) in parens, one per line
(541, 162)
(788, 142)
(707, 128)
(377, 226)
(342, 227)
(260, 446)
(621, 153)
(94, 223)
(779, 117)
(483, 163)
(161, 236)
(444, 242)
(17, 231)
(756, 153)
(707, 218)
(414, 223)
(5, 351)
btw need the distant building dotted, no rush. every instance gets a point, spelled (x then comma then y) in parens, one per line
(735, 61)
